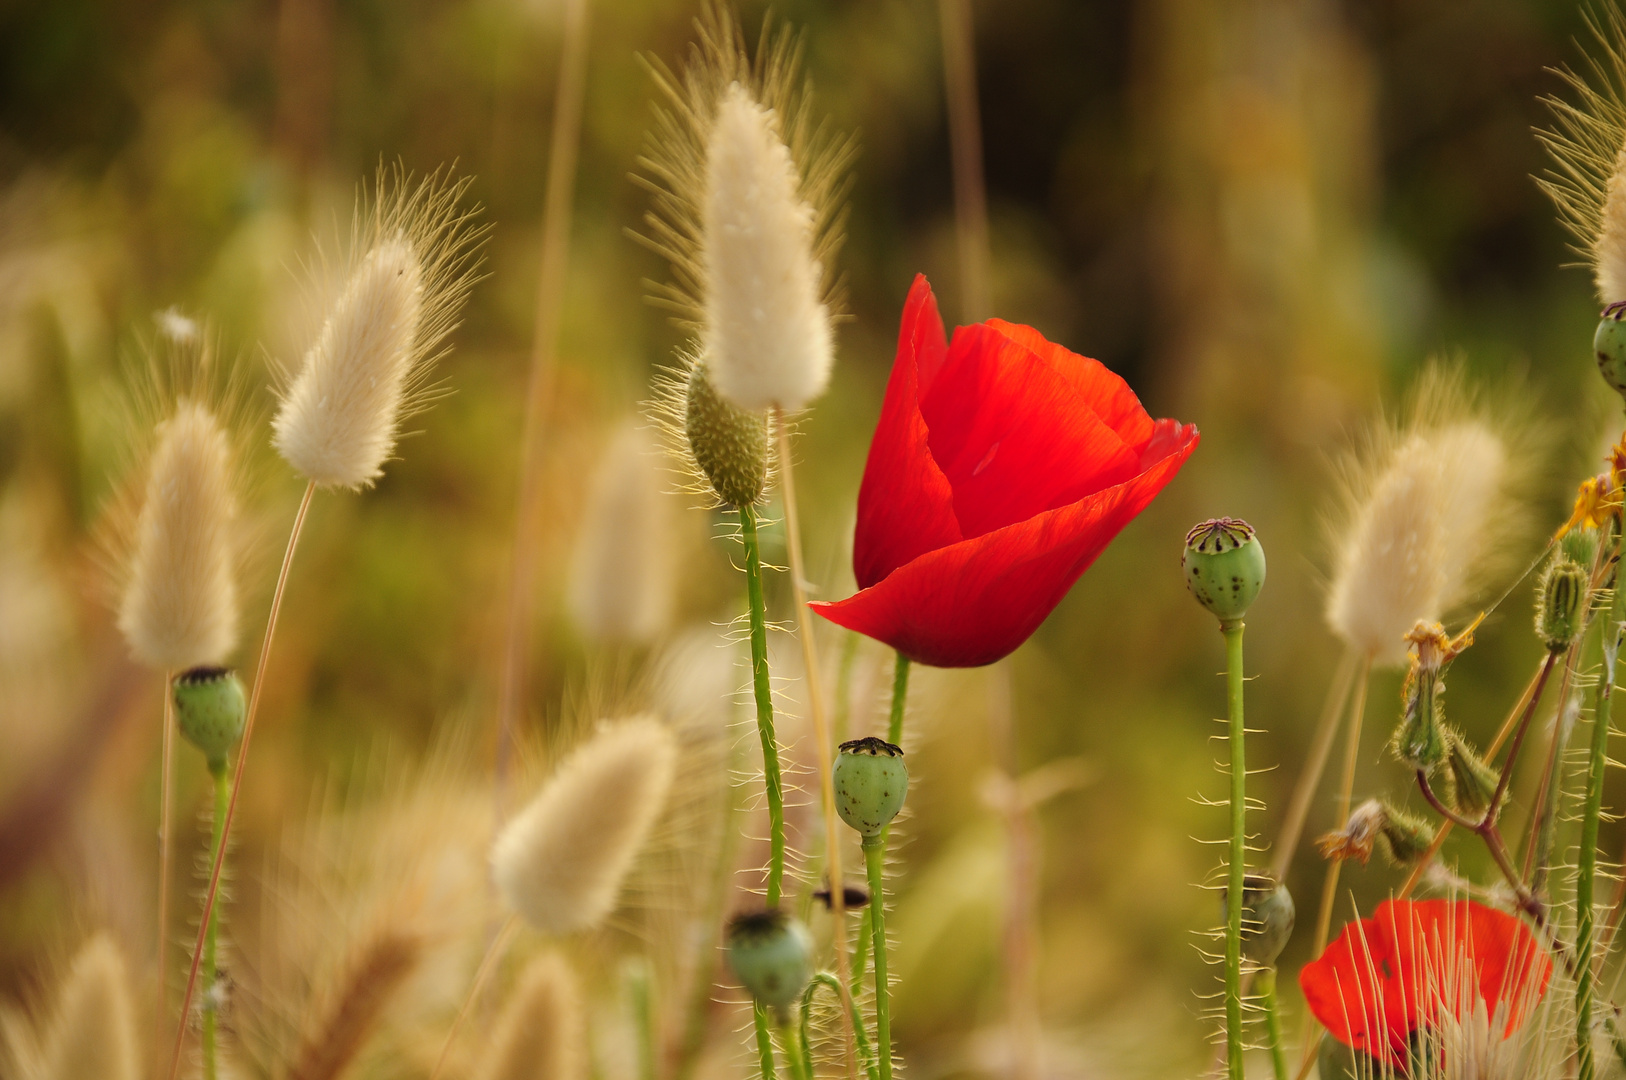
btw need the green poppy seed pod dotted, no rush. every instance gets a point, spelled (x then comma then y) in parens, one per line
(1561, 603)
(1420, 740)
(209, 710)
(1609, 346)
(1267, 918)
(1473, 782)
(1224, 565)
(730, 444)
(771, 954)
(871, 781)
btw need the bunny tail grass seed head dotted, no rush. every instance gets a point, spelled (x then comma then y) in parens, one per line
(561, 860)
(92, 1036)
(179, 604)
(747, 195)
(1429, 512)
(622, 572)
(373, 976)
(413, 255)
(539, 1035)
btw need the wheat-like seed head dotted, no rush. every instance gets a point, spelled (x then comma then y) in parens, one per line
(539, 1035)
(92, 1036)
(414, 254)
(561, 860)
(621, 579)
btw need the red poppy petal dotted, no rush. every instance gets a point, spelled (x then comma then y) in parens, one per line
(905, 503)
(1354, 989)
(1109, 396)
(975, 601)
(1013, 435)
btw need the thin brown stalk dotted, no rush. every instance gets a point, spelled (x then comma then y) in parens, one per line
(213, 892)
(1298, 810)
(821, 736)
(328, 1049)
(488, 964)
(555, 259)
(165, 853)
(965, 141)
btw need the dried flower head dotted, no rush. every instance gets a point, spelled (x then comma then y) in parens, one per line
(178, 608)
(92, 1036)
(1428, 514)
(413, 253)
(746, 192)
(621, 579)
(561, 860)
(539, 1035)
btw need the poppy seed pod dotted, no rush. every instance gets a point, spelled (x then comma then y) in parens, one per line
(1609, 347)
(871, 781)
(1224, 565)
(730, 444)
(1267, 918)
(771, 954)
(209, 710)
(1561, 603)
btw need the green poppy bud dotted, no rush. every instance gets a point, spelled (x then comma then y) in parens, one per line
(209, 710)
(1473, 782)
(1561, 603)
(1267, 918)
(1609, 346)
(871, 781)
(1224, 565)
(730, 444)
(771, 954)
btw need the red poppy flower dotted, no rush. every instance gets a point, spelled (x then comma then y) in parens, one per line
(1416, 961)
(1002, 466)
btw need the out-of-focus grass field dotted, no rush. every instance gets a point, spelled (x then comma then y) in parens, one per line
(1266, 215)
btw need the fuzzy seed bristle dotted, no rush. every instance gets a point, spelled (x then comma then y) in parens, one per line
(93, 1034)
(179, 606)
(365, 989)
(767, 335)
(341, 413)
(539, 1034)
(622, 573)
(560, 861)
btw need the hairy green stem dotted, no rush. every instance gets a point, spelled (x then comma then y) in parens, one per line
(900, 691)
(795, 1055)
(764, 697)
(828, 980)
(1586, 872)
(861, 952)
(1273, 1022)
(764, 1041)
(874, 856)
(1232, 629)
(211, 934)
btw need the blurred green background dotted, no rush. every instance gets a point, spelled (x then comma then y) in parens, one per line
(1265, 214)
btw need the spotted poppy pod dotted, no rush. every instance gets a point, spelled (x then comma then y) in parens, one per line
(1609, 346)
(871, 781)
(771, 953)
(1224, 565)
(1268, 915)
(210, 708)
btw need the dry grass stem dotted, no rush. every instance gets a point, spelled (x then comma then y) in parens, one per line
(327, 1050)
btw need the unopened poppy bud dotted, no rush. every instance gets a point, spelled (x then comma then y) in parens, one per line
(1224, 565)
(1609, 346)
(771, 954)
(730, 444)
(209, 710)
(1561, 603)
(1473, 781)
(1420, 740)
(871, 781)
(1267, 918)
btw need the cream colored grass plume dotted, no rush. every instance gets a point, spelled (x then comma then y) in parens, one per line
(411, 260)
(1587, 144)
(540, 1034)
(747, 208)
(561, 861)
(89, 1032)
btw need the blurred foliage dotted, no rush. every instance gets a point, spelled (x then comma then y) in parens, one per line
(1265, 214)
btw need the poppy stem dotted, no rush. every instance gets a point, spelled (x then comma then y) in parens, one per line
(764, 698)
(900, 691)
(1586, 876)
(1232, 629)
(764, 1041)
(211, 933)
(1273, 1022)
(874, 857)
(829, 980)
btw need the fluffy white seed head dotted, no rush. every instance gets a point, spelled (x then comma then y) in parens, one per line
(1609, 249)
(539, 1035)
(621, 577)
(1412, 543)
(179, 605)
(767, 333)
(413, 255)
(93, 1034)
(561, 860)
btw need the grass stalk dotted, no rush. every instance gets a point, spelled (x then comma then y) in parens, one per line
(213, 892)
(488, 965)
(965, 142)
(1586, 872)
(211, 928)
(1232, 629)
(1304, 788)
(874, 858)
(763, 690)
(1273, 1022)
(166, 841)
(825, 979)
